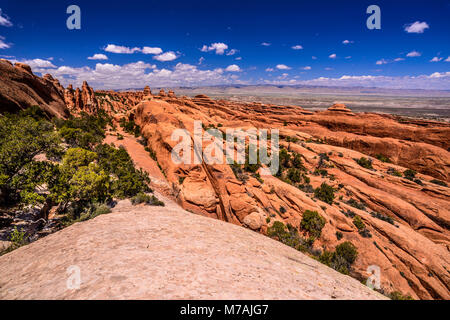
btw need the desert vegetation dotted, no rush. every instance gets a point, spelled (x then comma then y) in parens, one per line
(63, 164)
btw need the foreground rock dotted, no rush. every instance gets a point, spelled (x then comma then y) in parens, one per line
(168, 253)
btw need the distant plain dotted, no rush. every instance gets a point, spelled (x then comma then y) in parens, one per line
(427, 104)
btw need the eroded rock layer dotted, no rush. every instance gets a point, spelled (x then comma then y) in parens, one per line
(21, 89)
(412, 250)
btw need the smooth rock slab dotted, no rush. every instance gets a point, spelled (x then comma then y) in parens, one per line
(167, 253)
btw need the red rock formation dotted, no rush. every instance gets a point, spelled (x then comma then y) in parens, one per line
(339, 107)
(83, 100)
(412, 253)
(20, 89)
(147, 91)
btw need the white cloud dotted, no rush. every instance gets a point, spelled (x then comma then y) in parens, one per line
(201, 60)
(270, 70)
(4, 20)
(440, 75)
(120, 49)
(167, 56)
(416, 27)
(436, 81)
(140, 74)
(306, 68)
(151, 50)
(347, 41)
(37, 63)
(448, 59)
(238, 58)
(266, 44)
(332, 56)
(328, 69)
(283, 67)
(382, 61)
(436, 59)
(314, 57)
(233, 68)
(3, 44)
(218, 47)
(413, 54)
(399, 59)
(232, 52)
(297, 47)
(348, 57)
(98, 56)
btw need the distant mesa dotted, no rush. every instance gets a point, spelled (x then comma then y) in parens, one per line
(339, 107)
(201, 96)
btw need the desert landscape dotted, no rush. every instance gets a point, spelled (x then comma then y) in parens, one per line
(225, 159)
(354, 190)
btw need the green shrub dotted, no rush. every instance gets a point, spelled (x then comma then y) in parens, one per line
(382, 217)
(297, 162)
(409, 174)
(17, 238)
(397, 295)
(355, 204)
(130, 127)
(294, 175)
(285, 159)
(100, 209)
(357, 221)
(117, 163)
(341, 259)
(147, 199)
(321, 172)
(312, 222)
(282, 209)
(394, 172)
(439, 182)
(21, 139)
(152, 153)
(365, 163)
(322, 158)
(326, 257)
(347, 251)
(288, 236)
(238, 172)
(85, 131)
(339, 235)
(325, 193)
(76, 137)
(383, 158)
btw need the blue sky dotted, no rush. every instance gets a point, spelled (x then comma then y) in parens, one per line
(130, 44)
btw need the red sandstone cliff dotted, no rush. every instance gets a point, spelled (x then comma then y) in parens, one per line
(21, 89)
